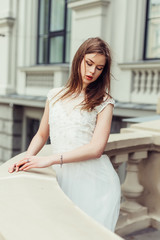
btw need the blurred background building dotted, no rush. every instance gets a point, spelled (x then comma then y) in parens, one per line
(38, 39)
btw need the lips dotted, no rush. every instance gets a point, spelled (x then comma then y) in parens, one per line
(88, 77)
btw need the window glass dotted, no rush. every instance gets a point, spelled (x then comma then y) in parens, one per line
(153, 39)
(43, 43)
(68, 36)
(57, 15)
(44, 11)
(56, 49)
(53, 32)
(154, 8)
(152, 50)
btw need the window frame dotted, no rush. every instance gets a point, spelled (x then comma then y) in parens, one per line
(52, 34)
(146, 34)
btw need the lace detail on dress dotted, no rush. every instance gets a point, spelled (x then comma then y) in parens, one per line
(52, 94)
(104, 104)
(71, 102)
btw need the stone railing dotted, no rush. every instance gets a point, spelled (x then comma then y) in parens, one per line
(145, 81)
(32, 206)
(37, 196)
(139, 148)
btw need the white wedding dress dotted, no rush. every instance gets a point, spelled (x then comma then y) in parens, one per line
(92, 185)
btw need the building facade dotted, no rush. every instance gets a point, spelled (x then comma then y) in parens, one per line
(38, 39)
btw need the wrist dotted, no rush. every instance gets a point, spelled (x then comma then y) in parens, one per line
(27, 155)
(57, 159)
(61, 159)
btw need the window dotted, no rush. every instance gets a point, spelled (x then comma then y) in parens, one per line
(152, 35)
(32, 126)
(54, 20)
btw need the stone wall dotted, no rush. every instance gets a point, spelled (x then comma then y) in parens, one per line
(10, 131)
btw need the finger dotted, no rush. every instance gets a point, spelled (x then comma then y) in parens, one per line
(19, 167)
(21, 162)
(29, 167)
(12, 168)
(24, 166)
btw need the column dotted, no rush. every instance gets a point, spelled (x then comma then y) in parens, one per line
(89, 19)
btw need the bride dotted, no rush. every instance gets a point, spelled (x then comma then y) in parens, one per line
(77, 117)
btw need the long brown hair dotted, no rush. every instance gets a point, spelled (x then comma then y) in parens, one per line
(95, 91)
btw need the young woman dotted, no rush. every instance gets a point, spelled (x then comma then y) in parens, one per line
(78, 119)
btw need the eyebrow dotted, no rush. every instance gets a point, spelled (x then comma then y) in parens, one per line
(94, 62)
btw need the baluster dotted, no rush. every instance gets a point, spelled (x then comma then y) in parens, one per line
(155, 82)
(143, 81)
(117, 161)
(131, 188)
(136, 81)
(158, 72)
(149, 82)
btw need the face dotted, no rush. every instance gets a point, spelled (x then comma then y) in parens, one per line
(91, 67)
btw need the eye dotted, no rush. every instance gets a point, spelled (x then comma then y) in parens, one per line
(88, 63)
(100, 68)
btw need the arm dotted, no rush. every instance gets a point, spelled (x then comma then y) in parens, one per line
(96, 147)
(39, 139)
(92, 150)
(42, 134)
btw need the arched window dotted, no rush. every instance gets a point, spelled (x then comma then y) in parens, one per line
(54, 20)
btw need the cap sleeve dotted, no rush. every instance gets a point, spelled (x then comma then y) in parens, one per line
(105, 103)
(52, 93)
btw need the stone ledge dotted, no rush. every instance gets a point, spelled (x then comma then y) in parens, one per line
(140, 65)
(1, 237)
(126, 140)
(46, 210)
(153, 126)
(83, 4)
(7, 22)
(23, 100)
(45, 68)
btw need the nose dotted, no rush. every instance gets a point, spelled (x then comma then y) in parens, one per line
(92, 69)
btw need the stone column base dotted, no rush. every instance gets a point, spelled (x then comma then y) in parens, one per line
(133, 221)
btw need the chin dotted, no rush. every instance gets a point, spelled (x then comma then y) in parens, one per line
(87, 82)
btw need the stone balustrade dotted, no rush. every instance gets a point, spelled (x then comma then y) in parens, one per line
(145, 81)
(34, 200)
(139, 148)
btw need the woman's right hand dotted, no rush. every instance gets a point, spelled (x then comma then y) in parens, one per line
(12, 168)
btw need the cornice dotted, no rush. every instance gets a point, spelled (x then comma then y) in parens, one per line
(83, 4)
(45, 68)
(140, 65)
(7, 22)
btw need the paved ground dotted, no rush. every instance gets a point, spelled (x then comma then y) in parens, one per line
(146, 234)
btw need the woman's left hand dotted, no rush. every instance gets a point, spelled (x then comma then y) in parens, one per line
(33, 162)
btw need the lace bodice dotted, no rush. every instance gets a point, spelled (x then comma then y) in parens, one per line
(71, 127)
